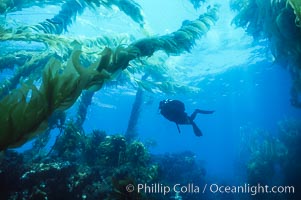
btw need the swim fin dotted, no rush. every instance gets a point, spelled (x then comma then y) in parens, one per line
(178, 128)
(197, 111)
(196, 130)
(204, 111)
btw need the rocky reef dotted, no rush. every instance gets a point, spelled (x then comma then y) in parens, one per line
(93, 166)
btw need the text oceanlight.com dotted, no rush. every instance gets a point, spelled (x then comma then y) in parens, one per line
(159, 188)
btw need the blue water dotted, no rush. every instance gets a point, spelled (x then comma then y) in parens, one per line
(254, 97)
(235, 77)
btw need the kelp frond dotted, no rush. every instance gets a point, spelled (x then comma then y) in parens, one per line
(25, 63)
(60, 22)
(61, 44)
(28, 65)
(63, 84)
(180, 40)
(279, 22)
(71, 9)
(10, 6)
(197, 3)
(19, 116)
(132, 9)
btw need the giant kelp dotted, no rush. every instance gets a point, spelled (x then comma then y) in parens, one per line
(273, 157)
(290, 135)
(26, 109)
(132, 9)
(61, 21)
(278, 21)
(24, 63)
(161, 77)
(22, 115)
(10, 5)
(25, 112)
(84, 103)
(70, 10)
(63, 45)
(197, 3)
(180, 40)
(131, 131)
(32, 63)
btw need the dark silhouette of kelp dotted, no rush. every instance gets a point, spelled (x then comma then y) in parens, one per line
(131, 131)
(84, 103)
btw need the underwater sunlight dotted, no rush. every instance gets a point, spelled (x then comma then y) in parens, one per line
(138, 99)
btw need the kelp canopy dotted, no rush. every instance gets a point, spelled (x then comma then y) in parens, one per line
(70, 9)
(70, 65)
(278, 21)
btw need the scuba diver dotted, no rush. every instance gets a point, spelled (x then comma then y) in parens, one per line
(174, 110)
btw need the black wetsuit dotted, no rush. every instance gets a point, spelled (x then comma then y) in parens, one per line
(174, 110)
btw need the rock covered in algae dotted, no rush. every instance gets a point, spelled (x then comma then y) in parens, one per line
(76, 176)
(104, 166)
